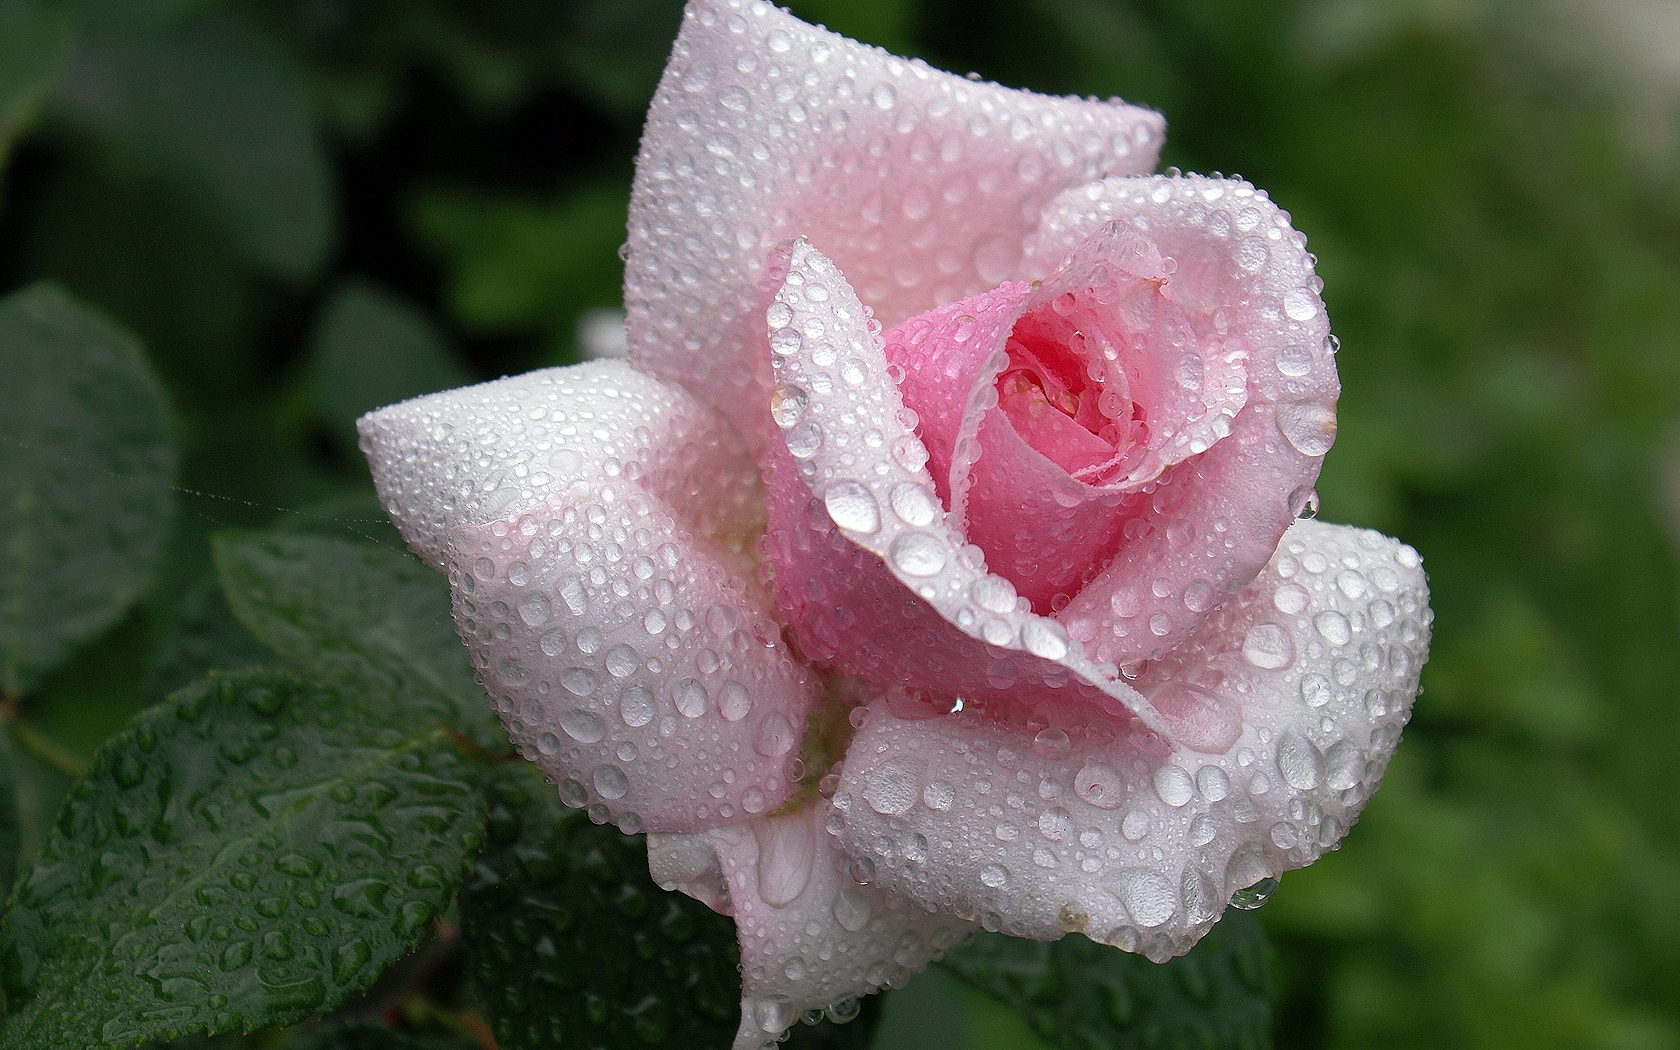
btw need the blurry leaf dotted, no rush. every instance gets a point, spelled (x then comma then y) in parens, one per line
(130, 15)
(215, 109)
(33, 41)
(86, 461)
(372, 349)
(569, 943)
(369, 619)
(1080, 995)
(205, 637)
(253, 851)
(517, 265)
(151, 263)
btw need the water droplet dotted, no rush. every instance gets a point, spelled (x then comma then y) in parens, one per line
(636, 706)
(583, 725)
(913, 504)
(1173, 785)
(533, 609)
(1299, 762)
(1250, 897)
(852, 507)
(1044, 638)
(1100, 785)
(918, 554)
(610, 782)
(891, 789)
(1308, 426)
(1148, 897)
(1333, 626)
(938, 796)
(1268, 646)
(690, 697)
(734, 701)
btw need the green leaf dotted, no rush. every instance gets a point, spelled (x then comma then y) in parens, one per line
(33, 42)
(214, 108)
(253, 851)
(367, 618)
(371, 349)
(569, 943)
(1080, 995)
(204, 637)
(87, 458)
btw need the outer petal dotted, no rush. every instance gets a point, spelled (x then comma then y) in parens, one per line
(631, 655)
(484, 452)
(1213, 520)
(922, 183)
(873, 576)
(1288, 702)
(811, 937)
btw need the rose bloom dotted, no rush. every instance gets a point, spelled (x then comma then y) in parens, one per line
(934, 562)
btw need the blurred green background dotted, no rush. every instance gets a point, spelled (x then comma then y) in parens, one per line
(308, 208)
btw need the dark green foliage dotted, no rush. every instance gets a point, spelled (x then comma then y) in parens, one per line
(569, 943)
(251, 852)
(1079, 995)
(86, 457)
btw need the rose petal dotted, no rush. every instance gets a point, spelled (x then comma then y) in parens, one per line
(811, 937)
(872, 575)
(1040, 527)
(1213, 521)
(630, 651)
(923, 184)
(1287, 705)
(489, 451)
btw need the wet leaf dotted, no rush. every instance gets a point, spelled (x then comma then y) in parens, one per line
(364, 617)
(87, 456)
(1080, 995)
(569, 943)
(253, 851)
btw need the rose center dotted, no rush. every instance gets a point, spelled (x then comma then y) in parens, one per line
(1087, 424)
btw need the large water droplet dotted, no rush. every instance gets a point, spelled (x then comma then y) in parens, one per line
(852, 507)
(892, 787)
(1268, 646)
(918, 554)
(1299, 762)
(690, 697)
(1250, 897)
(583, 725)
(1148, 897)
(1308, 426)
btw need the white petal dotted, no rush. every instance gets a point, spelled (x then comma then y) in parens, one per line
(922, 184)
(811, 936)
(484, 452)
(630, 650)
(1295, 693)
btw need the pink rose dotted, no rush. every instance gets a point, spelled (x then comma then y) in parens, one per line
(1000, 616)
